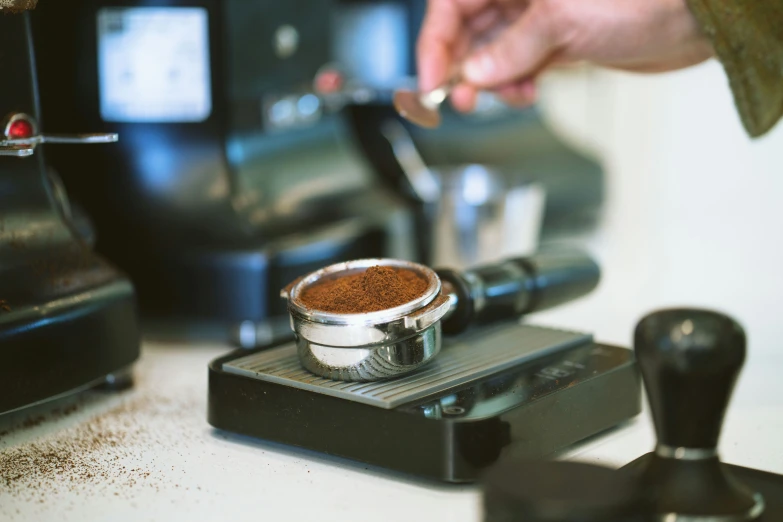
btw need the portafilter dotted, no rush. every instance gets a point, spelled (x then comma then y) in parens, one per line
(394, 342)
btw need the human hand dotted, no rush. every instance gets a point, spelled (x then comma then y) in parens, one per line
(527, 36)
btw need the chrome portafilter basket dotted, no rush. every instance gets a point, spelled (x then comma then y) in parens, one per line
(367, 346)
(397, 341)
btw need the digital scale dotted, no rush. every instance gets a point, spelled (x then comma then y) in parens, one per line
(505, 389)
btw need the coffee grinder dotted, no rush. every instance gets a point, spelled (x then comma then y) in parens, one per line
(67, 317)
(233, 175)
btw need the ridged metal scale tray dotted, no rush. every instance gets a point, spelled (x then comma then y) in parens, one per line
(510, 387)
(459, 363)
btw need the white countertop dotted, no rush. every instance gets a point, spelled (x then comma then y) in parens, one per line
(156, 458)
(169, 464)
(149, 454)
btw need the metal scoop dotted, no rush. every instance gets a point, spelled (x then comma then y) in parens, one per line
(423, 109)
(397, 341)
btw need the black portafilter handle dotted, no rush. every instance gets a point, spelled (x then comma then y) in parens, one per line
(690, 360)
(518, 286)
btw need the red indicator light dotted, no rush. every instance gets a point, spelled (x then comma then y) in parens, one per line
(19, 129)
(328, 81)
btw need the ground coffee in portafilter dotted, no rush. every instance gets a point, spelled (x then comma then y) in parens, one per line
(377, 288)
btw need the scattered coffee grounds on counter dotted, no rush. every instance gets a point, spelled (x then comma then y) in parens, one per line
(104, 454)
(99, 445)
(377, 288)
(33, 421)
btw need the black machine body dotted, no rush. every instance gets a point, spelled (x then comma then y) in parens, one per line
(231, 177)
(251, 149)
(67, 317)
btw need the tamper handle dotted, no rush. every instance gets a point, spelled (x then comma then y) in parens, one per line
(518, 286)
(689, 360)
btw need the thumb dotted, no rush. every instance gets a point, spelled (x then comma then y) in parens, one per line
(517, 52)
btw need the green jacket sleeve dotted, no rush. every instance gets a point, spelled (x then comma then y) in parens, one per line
(16, 6)
(747, 36)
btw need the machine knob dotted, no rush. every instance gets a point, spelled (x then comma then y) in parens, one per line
(689, 360)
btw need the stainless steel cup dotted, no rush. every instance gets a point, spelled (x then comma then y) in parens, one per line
(476, 213)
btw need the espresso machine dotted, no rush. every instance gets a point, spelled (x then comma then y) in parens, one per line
(485, 185)
(237, 169)
(67, 317)
(253, 148)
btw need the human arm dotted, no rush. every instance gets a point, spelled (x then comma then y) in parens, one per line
(634, 35)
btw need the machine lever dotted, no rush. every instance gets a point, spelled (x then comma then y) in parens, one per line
(63, 138)
(16, 150)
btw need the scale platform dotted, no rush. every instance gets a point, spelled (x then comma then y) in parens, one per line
(510, 389)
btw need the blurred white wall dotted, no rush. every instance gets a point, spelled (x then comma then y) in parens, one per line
(695, 207)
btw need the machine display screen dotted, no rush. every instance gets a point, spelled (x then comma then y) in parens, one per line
(154, 64)
(371, 42)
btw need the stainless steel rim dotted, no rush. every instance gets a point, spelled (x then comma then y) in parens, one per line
(372, 363)
(379, 317)
(368, 334)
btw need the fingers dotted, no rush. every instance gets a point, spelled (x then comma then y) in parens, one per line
(463, 97)
(517, 52)
(442, 33)
(485, 20)
(439, 36)
(520, 94)
(439, 33)
(448, 30)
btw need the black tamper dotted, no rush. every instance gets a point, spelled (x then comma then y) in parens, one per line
(518, 490)
(690, 360)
